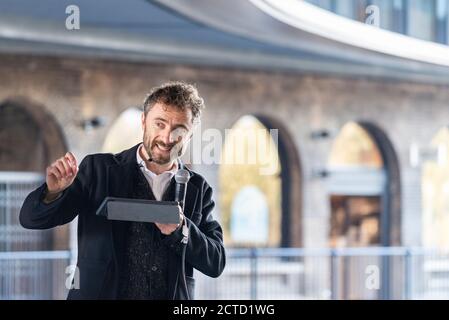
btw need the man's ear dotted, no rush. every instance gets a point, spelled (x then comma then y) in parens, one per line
(143, 121)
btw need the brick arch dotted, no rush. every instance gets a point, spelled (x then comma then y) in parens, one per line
(31, 137)
(391, 224)
(291, 185)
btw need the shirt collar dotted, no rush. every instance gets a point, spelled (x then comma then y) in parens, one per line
(141, 163)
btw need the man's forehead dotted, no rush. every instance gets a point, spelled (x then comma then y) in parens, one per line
(168, 111)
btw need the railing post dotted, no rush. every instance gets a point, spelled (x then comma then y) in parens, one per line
(334, 274)
(385, 289)
(253, 273)
(408, 274)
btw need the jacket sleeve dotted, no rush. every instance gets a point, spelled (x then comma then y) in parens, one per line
(35, 214)
(205, 249)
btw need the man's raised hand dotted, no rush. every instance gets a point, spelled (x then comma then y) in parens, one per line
(60, 175)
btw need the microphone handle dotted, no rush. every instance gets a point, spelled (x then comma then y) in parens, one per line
(180, 194)
(184, 192)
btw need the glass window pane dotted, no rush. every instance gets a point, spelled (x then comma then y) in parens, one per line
(345, 8)
(441, 21)
(247, 150)
(420, 17)
(354, 147)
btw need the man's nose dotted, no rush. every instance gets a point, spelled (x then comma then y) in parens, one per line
(167, 137)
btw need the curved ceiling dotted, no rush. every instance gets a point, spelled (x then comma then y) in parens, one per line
(262, 34)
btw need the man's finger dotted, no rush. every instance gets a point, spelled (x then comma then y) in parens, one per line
(54, 171)
(50, 171)
(57, 171)
(70, 168)
(75, 170)
(72, 159)
(61, 168)
(67, 167)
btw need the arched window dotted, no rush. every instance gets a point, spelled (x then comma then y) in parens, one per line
(125, 132)
(256, 181)
(363, 187)
(435, 191)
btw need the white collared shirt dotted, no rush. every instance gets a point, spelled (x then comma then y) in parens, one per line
(158, 182)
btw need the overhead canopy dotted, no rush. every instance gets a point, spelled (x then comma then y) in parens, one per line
(288, 35)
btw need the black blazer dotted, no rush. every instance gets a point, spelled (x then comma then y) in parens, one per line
(101, 241)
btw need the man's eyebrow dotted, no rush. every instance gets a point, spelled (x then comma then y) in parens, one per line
(176, 126)
(161, 119)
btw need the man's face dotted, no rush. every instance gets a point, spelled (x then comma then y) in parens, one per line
(166, 131)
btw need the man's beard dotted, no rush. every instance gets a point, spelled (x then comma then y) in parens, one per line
(159, 158)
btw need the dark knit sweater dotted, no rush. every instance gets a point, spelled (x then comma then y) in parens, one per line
(145, 263)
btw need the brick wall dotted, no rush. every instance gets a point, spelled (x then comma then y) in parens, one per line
(71, 90)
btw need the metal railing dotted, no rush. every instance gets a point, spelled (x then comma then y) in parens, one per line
(27, 269)
(34, 275)
(350, 273)
(14, 187)
(347, 273)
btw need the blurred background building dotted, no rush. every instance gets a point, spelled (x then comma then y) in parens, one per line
(356, 91)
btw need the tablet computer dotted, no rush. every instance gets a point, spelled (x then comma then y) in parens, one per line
(139, 210)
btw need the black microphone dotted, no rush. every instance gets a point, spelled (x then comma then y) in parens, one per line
(181, 178)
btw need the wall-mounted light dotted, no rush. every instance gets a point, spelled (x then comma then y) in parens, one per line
(320, 173)
(320, 134)
(93, 123)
